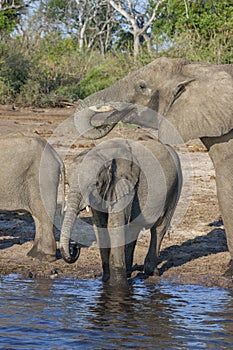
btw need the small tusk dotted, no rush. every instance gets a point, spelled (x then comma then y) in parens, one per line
(101, 109)
(87, 209)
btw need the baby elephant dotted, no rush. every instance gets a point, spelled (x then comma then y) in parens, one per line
(129, 186)
(29, 179)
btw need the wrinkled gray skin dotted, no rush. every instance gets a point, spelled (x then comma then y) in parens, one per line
(124, 199)
(29, 179)
(197, 100)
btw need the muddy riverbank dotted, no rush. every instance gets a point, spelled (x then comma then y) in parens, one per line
(195, 249)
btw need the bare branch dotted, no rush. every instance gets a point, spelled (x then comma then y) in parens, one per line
(186, 9)
(13, 6)
(91, 25)
(153, 17)
(131, 16)
(120, 9)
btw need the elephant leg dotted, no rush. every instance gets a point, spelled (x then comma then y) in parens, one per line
(100, 220)
(151, 260)
(222, 157)
(116, 229)
(132, 233)
(42, 199)
(158, 231)
(44, 246)
(129, 253)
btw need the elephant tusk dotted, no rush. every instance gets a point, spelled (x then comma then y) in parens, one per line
(102, 109)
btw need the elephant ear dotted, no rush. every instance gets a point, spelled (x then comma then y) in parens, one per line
(117, 181)
(199, 108)
(108, 174)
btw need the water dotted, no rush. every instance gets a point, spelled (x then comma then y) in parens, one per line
(84, 314)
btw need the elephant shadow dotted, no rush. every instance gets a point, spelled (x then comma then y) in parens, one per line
(18, 227)
(15, 228)
(212, 243)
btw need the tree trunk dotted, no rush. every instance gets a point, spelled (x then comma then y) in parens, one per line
(136, 47)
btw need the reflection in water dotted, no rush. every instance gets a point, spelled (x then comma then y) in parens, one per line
(136, 317)
(68, 314)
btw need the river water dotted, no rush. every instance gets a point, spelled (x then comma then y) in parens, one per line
(85, 314)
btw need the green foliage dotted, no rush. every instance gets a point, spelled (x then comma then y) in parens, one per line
(10, 17)
(15, 70)
(55, 8)
(202, 31)
(56, 71)
(5, 93)
(53, 68)
(216, 50)
(39, 69)
(97, 78)
(8, 21)
(31, 95)
(104, 73)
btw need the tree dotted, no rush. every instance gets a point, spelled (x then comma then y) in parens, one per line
(89, 22)
(198, 30)
(137, 19)
(95, 24)
(6, 5)
(10, 13)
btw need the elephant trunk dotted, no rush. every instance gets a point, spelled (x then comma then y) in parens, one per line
(84, 126)
(70, 250)
(112, 113)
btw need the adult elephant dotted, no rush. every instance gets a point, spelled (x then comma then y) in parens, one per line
(115, 180)
(195, 100)
(29, 179)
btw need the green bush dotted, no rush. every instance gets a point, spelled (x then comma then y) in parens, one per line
(104, 72)
(15, 71)
(6, 93)
(70, 92)
(30, 95)
(216, 50)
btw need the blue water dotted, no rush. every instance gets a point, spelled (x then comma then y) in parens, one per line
(85, 314)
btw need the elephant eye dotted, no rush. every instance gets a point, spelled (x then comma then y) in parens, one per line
(141, 86)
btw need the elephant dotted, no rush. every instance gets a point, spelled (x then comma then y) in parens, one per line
(30, 175)
(115, 180)
(190, 101)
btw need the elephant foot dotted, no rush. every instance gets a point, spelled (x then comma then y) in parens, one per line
(128, 273)
(150, 269)
(106, 272)
(134, 268)
(118, 276)
(229, 271)
(34, 253)
(105, 277)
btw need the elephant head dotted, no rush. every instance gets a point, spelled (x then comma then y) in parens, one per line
(184, 101)
(193, 99)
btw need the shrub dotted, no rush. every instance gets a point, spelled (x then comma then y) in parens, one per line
(104, 73)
